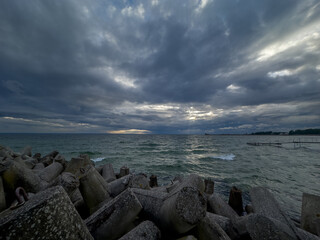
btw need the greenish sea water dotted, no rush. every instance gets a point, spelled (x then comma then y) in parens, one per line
(287, 170)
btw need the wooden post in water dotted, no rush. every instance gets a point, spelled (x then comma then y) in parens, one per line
(235, 200)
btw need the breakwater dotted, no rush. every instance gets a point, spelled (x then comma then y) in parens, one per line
(50, 197)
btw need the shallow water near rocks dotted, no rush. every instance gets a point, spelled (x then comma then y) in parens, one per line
(287, 170)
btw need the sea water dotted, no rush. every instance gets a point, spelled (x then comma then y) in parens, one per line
(287, 170)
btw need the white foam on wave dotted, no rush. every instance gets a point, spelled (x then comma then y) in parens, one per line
(227, 157)
(98, 159)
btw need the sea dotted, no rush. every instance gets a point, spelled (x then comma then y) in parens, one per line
(288, 169)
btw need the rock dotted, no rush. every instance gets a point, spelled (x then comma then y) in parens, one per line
(209, 186)
(3, 204)
(218, 206)
(178, 212)
(118, 186)
(208, 229)
(27, 151)
(108, 173)
(94, 189)
(310, 213)
(114, 218)
(146, 230)
(235, 200)
(153, 181)
(265, 204)
(48, 215)
(77, 165)
(124, 171)
(49, 173)
(263, 228)
(17, 175)
(140, 181)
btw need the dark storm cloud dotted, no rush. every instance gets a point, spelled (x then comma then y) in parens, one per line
(164, 66)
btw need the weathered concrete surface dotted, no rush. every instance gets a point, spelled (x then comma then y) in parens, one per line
(124, 171)
(48, 215)
(115, 217)
(146, 230)
(94, 189)
(51, 172)
(225, 223)
(3, 204)
(263, 228)
(17, 175)
(218, 206)
(264, 203)
(69, 182)
(118, 186)
(189, 237)
(140, 181)
(208, 229)
(192, 180)
(306, 235)
(108, 173)
(310, 213)
(38, 166)
(76, 166)
(178, 212)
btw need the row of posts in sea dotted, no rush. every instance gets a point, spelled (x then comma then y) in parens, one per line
(296, 143)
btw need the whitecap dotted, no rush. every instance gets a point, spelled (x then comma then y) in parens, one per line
(228, 157)
(98, 159)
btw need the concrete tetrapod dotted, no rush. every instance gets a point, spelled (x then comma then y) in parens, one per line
(177, 212)
(218, 206)
(310, 213)
(146, 230)
(118, 186)
(48, 215)
(50, 172)
(17, 175)
(262, 228)
(208, 229)
(264, 203)
(94, 189)
(115, 217)
(108, 173)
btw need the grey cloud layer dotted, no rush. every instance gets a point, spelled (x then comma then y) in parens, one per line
(165, 66)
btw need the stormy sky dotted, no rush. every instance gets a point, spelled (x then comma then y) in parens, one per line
(159, 66)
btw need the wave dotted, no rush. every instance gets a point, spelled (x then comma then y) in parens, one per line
(227, 157)
(98, 159)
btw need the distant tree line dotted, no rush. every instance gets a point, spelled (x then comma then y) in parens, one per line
(292, 132)
(305, 132)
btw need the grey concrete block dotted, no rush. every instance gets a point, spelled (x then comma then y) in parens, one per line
(208, 229)
(48, 215)
(108, 173)
(115, 217)
(146, 230)
(310, 213)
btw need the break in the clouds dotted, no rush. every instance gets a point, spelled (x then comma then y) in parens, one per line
(160, 66)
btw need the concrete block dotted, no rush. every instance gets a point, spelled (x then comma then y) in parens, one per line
(146, 230)
(218, 206)
(48, 215)
(115, 217)
(310, 213)
(108, 173)
(52, 171)
(208, 229)
(94, 189)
